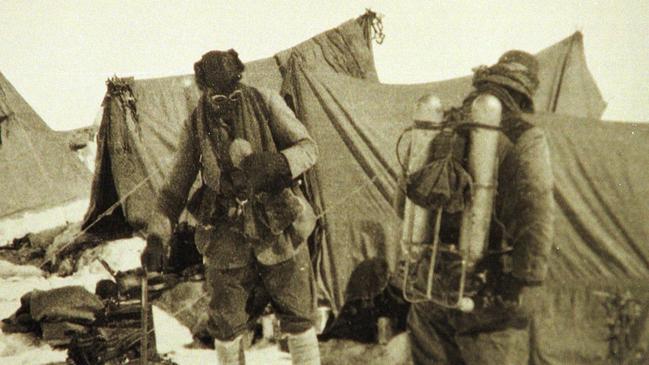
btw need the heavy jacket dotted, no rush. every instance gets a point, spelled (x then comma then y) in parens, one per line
(263, 118)
(523, 219)
(524, 200)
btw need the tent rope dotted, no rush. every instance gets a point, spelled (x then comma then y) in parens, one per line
(119, 202)
(337, 203)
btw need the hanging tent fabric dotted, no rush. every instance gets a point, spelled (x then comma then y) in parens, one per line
(356, 124)
(38, 169)
(142, 119)
(600, 248)
(595, 308)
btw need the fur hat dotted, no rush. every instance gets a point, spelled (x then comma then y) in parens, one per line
(220, 70)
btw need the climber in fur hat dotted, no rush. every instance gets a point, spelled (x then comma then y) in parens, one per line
(253, 220)
(496, 331)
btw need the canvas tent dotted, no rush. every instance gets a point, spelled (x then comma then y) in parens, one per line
(600, 192)
(37, 168)
(600, 249)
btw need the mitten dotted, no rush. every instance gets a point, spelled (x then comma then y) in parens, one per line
(267, 171)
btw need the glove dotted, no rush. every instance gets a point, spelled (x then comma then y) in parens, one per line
(241, 186)
(153, 257)
(509, 289)
(267, 171)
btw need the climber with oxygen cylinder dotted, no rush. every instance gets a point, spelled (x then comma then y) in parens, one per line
(478, 219)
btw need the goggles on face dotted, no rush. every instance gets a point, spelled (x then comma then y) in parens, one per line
(220, 98)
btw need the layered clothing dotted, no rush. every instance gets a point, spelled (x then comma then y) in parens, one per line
(265, 121)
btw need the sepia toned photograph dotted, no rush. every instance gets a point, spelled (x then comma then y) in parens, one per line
(324, 182)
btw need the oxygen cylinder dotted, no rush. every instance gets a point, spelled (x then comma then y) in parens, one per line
(482, 165)
(417, 225)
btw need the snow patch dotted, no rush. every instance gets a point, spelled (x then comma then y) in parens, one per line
(24, 349)
(9, 271)
(19, 226)
(88, 154)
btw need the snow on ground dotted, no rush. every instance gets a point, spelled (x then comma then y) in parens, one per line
(19, 226)
(87, 155)
(172, 338)
(24, 348)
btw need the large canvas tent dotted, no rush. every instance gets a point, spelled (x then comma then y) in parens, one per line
(356, 121)
(600, 250)
(37, 168)
(601, 189)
